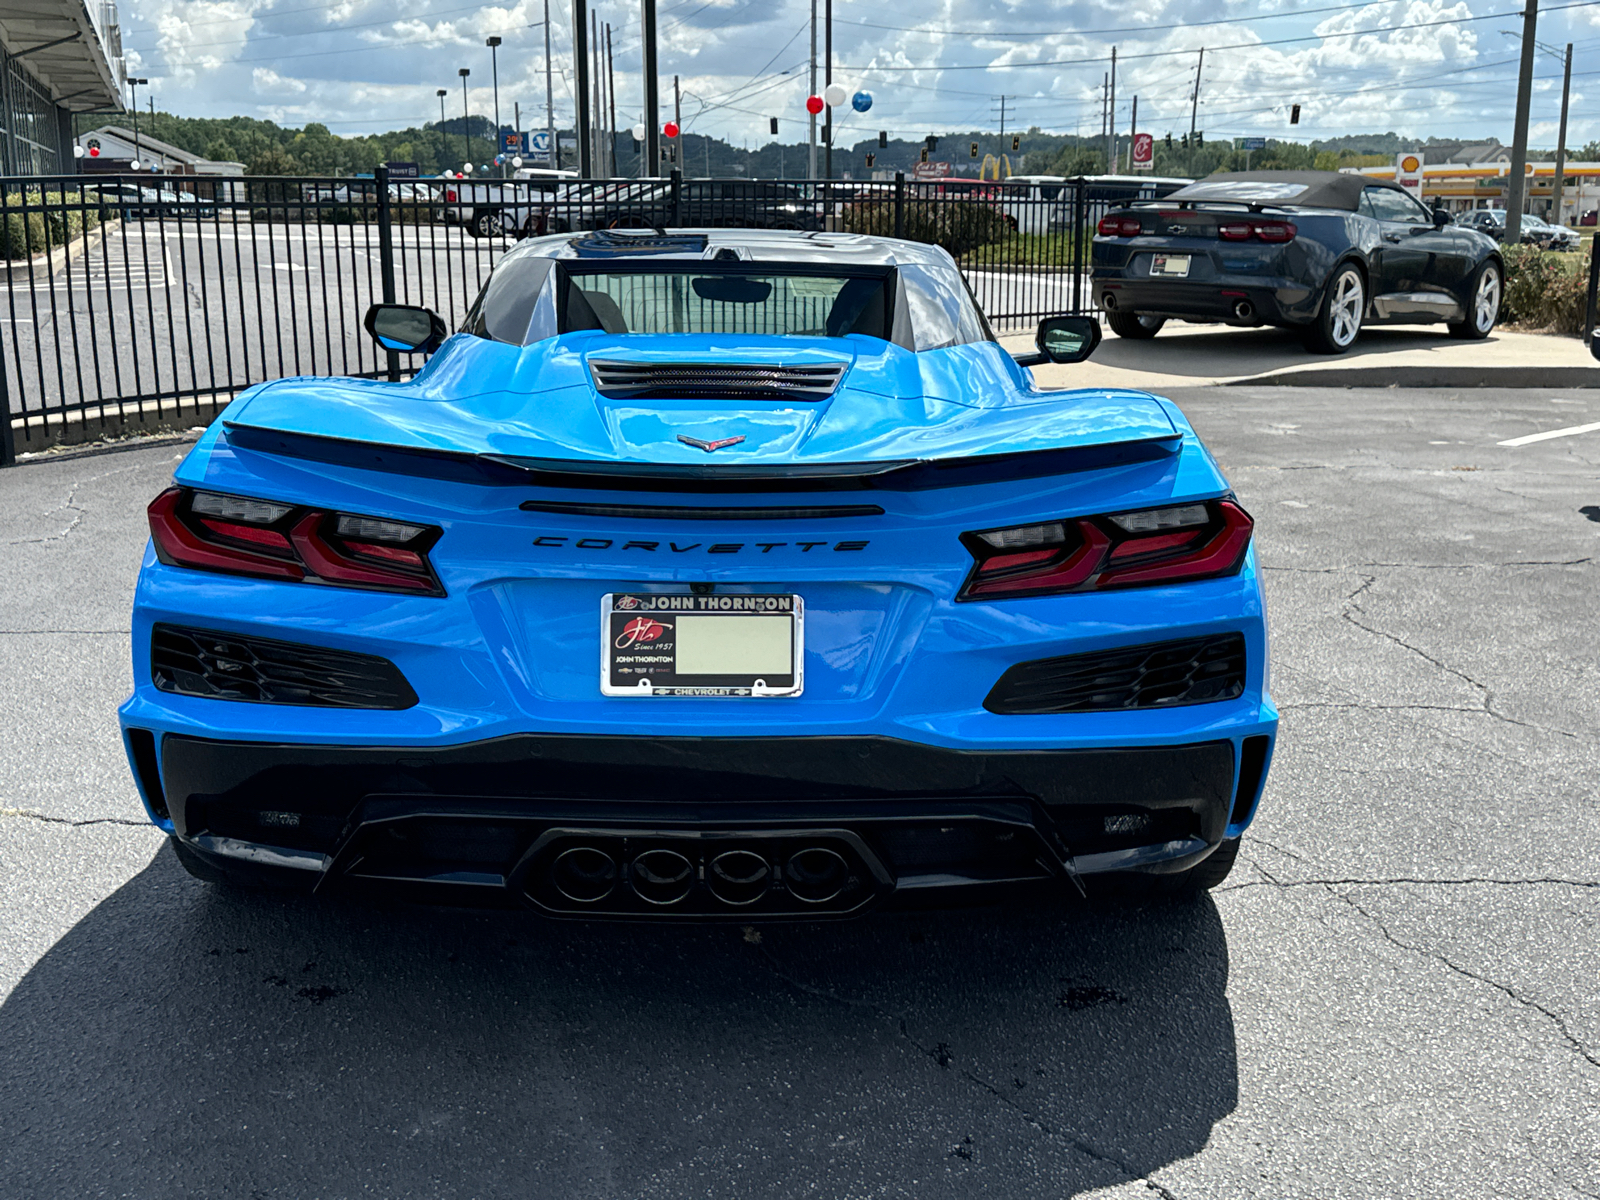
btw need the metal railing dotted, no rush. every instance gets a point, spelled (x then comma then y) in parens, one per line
(156, 299)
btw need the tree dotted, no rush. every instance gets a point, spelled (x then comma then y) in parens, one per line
(221, 151)
(273, 161)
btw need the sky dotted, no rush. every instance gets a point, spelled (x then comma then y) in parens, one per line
(1417, 67)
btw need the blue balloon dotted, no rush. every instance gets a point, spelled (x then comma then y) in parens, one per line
(861, 101)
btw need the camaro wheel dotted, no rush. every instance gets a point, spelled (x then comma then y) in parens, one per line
(1339, 321)
(1483, 305)
(1132, 325)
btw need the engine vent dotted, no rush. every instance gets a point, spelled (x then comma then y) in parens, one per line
(1157, 675)
(714, 381)
(226, 666)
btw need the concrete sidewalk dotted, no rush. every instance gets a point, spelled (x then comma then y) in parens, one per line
(1414, 356)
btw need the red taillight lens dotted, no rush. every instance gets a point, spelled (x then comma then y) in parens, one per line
(1150, 546)
(1109, 227)
(1120, 226)
(1267, 231)
(267, 540)
(449, 195)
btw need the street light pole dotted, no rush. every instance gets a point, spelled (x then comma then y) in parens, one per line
(580, 86)
(550, 94)
(466, 120)
(494, 68)
(133, 92)
(652, 91)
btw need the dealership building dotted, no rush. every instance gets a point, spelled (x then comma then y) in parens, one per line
(57, 57)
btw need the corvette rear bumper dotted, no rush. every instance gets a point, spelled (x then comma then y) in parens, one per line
(701, 828)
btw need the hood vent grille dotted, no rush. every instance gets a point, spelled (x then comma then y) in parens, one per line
(714, 381)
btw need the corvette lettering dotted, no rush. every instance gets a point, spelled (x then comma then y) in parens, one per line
(655, 547)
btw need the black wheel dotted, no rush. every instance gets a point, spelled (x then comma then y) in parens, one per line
(1483, 304)
(1132, 325)
(486, 225)
(1201, 878)
(1338, 321)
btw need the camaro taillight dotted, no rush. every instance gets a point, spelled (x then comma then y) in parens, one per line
(1266, 231)
(1120, 227)
(270, 540)
(1149, 546)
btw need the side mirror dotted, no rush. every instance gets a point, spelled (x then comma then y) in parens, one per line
(1442, 218)
(1067, 339)
(406, 328)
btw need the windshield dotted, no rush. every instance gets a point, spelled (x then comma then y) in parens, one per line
(694, 300)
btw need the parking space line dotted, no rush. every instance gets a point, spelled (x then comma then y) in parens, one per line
(1554, 433)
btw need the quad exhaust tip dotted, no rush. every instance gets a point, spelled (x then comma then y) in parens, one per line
(738, 877)
(584, 874)
(662, 876)
(816, 875)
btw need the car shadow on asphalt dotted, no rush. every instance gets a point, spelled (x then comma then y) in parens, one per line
(183, 1040)
(1224, 351)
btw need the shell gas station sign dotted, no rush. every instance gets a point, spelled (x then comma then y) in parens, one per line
(1408, 172)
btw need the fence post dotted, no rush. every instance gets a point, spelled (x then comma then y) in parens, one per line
(8, 448)
(899, 204)
(676, 211)
(386, 258)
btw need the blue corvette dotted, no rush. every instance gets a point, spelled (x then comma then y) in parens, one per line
(718, 574)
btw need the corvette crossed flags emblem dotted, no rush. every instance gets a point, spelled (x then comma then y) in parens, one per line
(708, 447)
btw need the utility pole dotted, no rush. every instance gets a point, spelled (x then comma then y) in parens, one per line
(827, 80)
(1105, 93)
(811, 170)
(1133, 131)
(466, 122)
(580, 84)
(550, 95)
(677, 119)
(1518, 192)
(1561, 144)
(611, 90)
(1194, 102)
(494, 67)
(1111, 121)
(599, 109)
(652, 91)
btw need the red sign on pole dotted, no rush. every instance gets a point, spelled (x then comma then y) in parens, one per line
(1144, 151)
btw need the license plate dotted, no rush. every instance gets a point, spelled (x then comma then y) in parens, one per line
(1169, 265)
(723, 644)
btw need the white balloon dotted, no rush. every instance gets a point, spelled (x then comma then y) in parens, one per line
(135, 165)
(466, 168)
(638, 133)
(77, 152)
(516, 160)
(834, 95)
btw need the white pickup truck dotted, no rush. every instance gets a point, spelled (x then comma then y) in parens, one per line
(501, 207)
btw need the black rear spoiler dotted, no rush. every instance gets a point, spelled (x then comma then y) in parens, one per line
(894, 475)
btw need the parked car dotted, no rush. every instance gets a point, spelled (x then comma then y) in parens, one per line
(732, 575)
(1589, 218)
(1107, 191)
(1321, 252)
(1552, 237)
(497, 208)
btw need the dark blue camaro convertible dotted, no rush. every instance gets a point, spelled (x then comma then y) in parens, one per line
(711, 574)
(1317, 251)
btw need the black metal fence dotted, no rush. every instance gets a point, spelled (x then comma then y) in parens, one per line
(156, 299)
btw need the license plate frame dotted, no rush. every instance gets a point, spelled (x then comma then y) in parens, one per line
(1163, 266)
(646, 636)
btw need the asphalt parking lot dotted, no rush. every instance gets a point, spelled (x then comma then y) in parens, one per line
(1394, 995)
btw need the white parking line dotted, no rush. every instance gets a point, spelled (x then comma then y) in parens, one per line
(1554, 433)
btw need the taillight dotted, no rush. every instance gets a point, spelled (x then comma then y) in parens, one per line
(449, 195)
(1149, 546)
(1120, 227)
(1266, 231)
(262, 538)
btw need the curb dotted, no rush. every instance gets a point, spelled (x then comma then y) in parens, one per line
(1425, 376)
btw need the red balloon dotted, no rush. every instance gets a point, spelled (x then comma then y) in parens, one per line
(94, 151)
(670, 129)
(814, 105)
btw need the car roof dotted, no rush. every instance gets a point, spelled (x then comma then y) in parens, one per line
(1299, 189)
(757, 245)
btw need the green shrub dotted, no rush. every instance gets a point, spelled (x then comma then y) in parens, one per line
(24, 234)
(956, 225)
(1543, 291)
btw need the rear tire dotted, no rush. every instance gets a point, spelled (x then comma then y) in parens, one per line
(486, 225)
(1132, 325)
(1338, 322)
(1203, 877)
(1484, 294)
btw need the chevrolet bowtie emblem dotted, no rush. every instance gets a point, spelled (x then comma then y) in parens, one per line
(708, 447)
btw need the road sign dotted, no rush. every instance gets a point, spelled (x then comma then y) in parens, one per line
(932, 170)
(510, 142)
(1259, 143)
(1144, 151)
(403, 170)
(539, 146)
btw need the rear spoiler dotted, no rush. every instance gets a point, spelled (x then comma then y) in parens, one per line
(894, 475)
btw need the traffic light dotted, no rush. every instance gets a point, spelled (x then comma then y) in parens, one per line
(972, 151)
(1184, 141)
(1199, 137)
(871, 158)
(883, 139)
(1294, 115)
(1169, 141)
(932, 142)
(924, 157)
(774, 126)
(1016, 141)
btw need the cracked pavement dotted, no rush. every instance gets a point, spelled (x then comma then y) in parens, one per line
(1395, 993)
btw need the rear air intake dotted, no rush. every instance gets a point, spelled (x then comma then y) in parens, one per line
(1157, 675)
(226, 666)
(714, 381)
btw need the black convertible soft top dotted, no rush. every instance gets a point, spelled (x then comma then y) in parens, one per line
(1303, 189)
